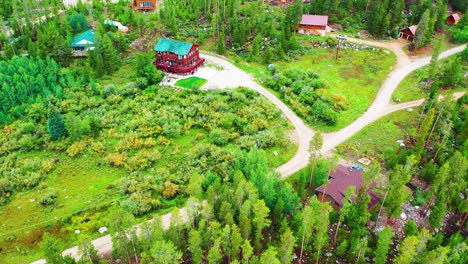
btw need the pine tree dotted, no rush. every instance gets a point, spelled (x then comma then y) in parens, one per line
(383, 245)
(260, 221)
(215, 255)
(419, 38)
(56, 125)
(195, 246)
(221, 45)
(247, 251)
(314, 149)
(286, 248)
(165, 253)
(438, 210)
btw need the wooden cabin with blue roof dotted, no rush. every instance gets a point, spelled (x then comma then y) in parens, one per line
(83, 43)
(177, 56)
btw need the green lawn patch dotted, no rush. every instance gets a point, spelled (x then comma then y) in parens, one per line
(191, 82)
(376, 138)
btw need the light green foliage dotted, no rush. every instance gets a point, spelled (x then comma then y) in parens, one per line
(269, 256)
(215, 255)
(260, 220)
(383, 245)
(247, 251)
(165, 253)
(144, 68)
(195, 242)
(407, 250)
(286, 247)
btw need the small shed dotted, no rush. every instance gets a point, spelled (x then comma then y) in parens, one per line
(313, 25)
(452, 19)
(408, 33)
(339, 180)
(83, 43)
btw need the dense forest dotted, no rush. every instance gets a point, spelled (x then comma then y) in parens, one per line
(107, 121)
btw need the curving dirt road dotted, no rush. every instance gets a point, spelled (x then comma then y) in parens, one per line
(381, 104)
(232, 77)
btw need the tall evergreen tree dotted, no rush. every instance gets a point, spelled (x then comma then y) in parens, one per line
(56, 125)
(420, 36)
(383, 245)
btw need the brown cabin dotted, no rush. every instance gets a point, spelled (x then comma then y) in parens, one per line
(452, 19)
(177, 56)
(339, 180)
(408, 33)
(144, 5)
(313, 25)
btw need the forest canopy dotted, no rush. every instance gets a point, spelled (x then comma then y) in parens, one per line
(25, 81)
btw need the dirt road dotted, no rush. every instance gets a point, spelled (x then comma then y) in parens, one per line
(232, 77)
(381, 104)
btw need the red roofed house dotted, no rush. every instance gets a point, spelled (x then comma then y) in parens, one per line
(313, 25)
(452, 19)
(177, 56)
(408, 33)
(340, 180)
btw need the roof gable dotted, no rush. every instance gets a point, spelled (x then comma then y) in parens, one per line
(413, 29)
(174, 46)
(314, 20)
(455, 16)
(84, 39)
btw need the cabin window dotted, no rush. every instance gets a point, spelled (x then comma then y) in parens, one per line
(179, 57)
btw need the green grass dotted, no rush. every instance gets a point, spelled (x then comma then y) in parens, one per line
(191, 82)
(413, 87)
(356, 75)
(376, 138)
(80, 186)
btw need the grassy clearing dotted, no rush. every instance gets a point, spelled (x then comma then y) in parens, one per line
(356, 75)
(380, 136)
(191, 82)
(415, 85)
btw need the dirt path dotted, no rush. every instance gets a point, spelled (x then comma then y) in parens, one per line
(381, 105)
(232, 77)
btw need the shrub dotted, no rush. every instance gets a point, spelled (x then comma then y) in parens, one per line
(218, 137)
(48, 199)
(170, 189)
(116, 159)
(47, 165)
(98, 147)
(76, 148)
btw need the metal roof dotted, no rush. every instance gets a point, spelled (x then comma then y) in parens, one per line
(314, 20)
(174, 46)
(84, 39)
(341, 179)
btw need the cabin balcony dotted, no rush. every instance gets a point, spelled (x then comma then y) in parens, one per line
(180, 69)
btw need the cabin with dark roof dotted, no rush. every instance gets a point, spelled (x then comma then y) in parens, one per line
(83, 43)
(177, 56)
(144, 5)
(313, 25)
(339, 180)
(452, 19)
(408, 33)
